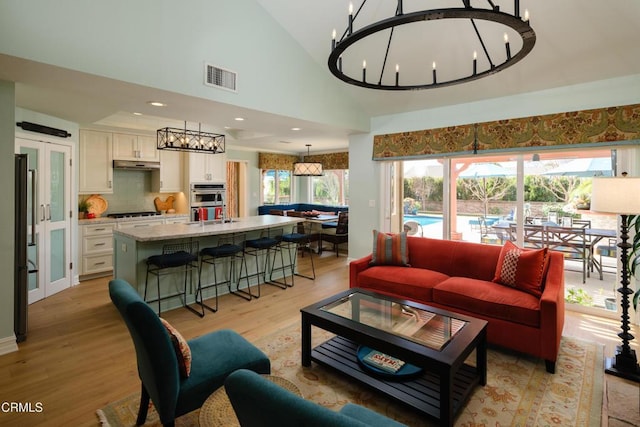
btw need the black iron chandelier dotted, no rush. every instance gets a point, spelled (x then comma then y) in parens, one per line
(190, 140)
(479, 21)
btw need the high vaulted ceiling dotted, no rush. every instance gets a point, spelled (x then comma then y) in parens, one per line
(577, 42)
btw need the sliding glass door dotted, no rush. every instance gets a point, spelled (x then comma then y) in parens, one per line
(492, 199)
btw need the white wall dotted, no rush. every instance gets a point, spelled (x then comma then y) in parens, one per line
(363, 172)
(165, 44)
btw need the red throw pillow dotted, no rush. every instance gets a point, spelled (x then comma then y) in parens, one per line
(521, 269)
(390, 249)
(181, 347)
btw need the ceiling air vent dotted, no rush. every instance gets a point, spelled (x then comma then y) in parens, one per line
(221, 78)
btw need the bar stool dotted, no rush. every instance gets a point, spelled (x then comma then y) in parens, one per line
(299, 239)
(263, 246)
(173, 256)
(228, 251)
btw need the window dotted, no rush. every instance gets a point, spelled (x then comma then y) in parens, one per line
(276, 187)
(332, 188)
(488, 208)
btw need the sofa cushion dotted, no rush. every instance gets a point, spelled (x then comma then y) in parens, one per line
(405, 282)
(521, 269)
(390, 249)
(454, 258)
(488, 299)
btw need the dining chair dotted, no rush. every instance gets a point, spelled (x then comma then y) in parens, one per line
(341, 235)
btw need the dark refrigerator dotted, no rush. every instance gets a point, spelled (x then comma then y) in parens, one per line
(22, 266)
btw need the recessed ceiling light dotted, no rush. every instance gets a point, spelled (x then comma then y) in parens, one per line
(157, 104)
(295, 128)
(239, 119)
(137, 114)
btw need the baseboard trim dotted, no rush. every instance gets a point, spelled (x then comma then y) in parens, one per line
(8, 344)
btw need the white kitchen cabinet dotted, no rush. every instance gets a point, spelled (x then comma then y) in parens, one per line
(202, 167)
(134, 147)
(96, 249)
(95, 163)
(169, 178)
(177, 220)
(140, 223)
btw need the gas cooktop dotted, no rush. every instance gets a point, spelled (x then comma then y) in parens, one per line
(132, 214)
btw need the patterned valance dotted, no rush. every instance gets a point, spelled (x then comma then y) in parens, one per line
(285, 161)
(599, 126)
(330, 161)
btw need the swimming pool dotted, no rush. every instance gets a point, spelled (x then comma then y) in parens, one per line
(423, 219)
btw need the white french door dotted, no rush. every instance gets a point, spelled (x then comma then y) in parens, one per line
(48, 216)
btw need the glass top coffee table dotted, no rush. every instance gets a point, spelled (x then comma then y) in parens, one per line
(434, 341)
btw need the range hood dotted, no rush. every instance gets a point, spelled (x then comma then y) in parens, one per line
(136, 165)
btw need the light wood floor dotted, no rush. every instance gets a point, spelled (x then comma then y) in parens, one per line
(78, 355)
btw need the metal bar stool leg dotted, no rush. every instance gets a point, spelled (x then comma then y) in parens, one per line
(283, 284)
(200, 290)
(295, 260)
(248, 294)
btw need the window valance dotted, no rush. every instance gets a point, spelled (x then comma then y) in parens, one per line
(285, 161)
(604, 126)
(276, 161)
(330, 160)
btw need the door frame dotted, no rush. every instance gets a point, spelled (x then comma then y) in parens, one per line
(44, 143)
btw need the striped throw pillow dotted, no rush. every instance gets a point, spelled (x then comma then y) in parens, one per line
(390, 249)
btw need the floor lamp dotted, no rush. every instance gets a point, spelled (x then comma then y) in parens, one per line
(619, 195)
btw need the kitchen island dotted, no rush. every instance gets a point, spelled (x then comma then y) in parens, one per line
(132, 247)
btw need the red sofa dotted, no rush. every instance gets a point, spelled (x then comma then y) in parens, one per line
(457, 276)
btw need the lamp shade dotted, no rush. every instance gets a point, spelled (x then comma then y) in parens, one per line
(307, 169)
(617, 195)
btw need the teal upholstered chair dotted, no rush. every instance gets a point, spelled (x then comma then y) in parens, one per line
(259, 402)
(214, 357)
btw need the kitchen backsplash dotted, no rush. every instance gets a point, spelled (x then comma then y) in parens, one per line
(132, 192)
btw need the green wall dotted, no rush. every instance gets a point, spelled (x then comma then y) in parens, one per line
(7, 249)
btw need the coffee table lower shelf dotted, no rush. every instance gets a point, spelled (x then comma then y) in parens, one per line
(422, 393)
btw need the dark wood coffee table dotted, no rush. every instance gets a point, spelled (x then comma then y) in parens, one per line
(438, 341)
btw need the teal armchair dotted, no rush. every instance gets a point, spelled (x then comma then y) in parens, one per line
(213, 357)
(259, 402)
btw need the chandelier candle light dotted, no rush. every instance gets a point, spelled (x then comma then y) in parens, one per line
(190, 140)
(618, 195)
(478, 34)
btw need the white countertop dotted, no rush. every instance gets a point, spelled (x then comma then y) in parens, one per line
(107, 220)
(181, 231)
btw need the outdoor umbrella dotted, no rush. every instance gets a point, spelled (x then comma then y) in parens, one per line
(422, 168)
(587, 167)
(488, 170)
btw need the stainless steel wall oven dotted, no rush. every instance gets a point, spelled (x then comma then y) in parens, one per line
(208, 201)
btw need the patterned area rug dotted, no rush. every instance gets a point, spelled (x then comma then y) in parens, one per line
(519, 392)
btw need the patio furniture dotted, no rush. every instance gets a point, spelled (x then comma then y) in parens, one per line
(487, 233)
(573, 242)
(610, 250)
